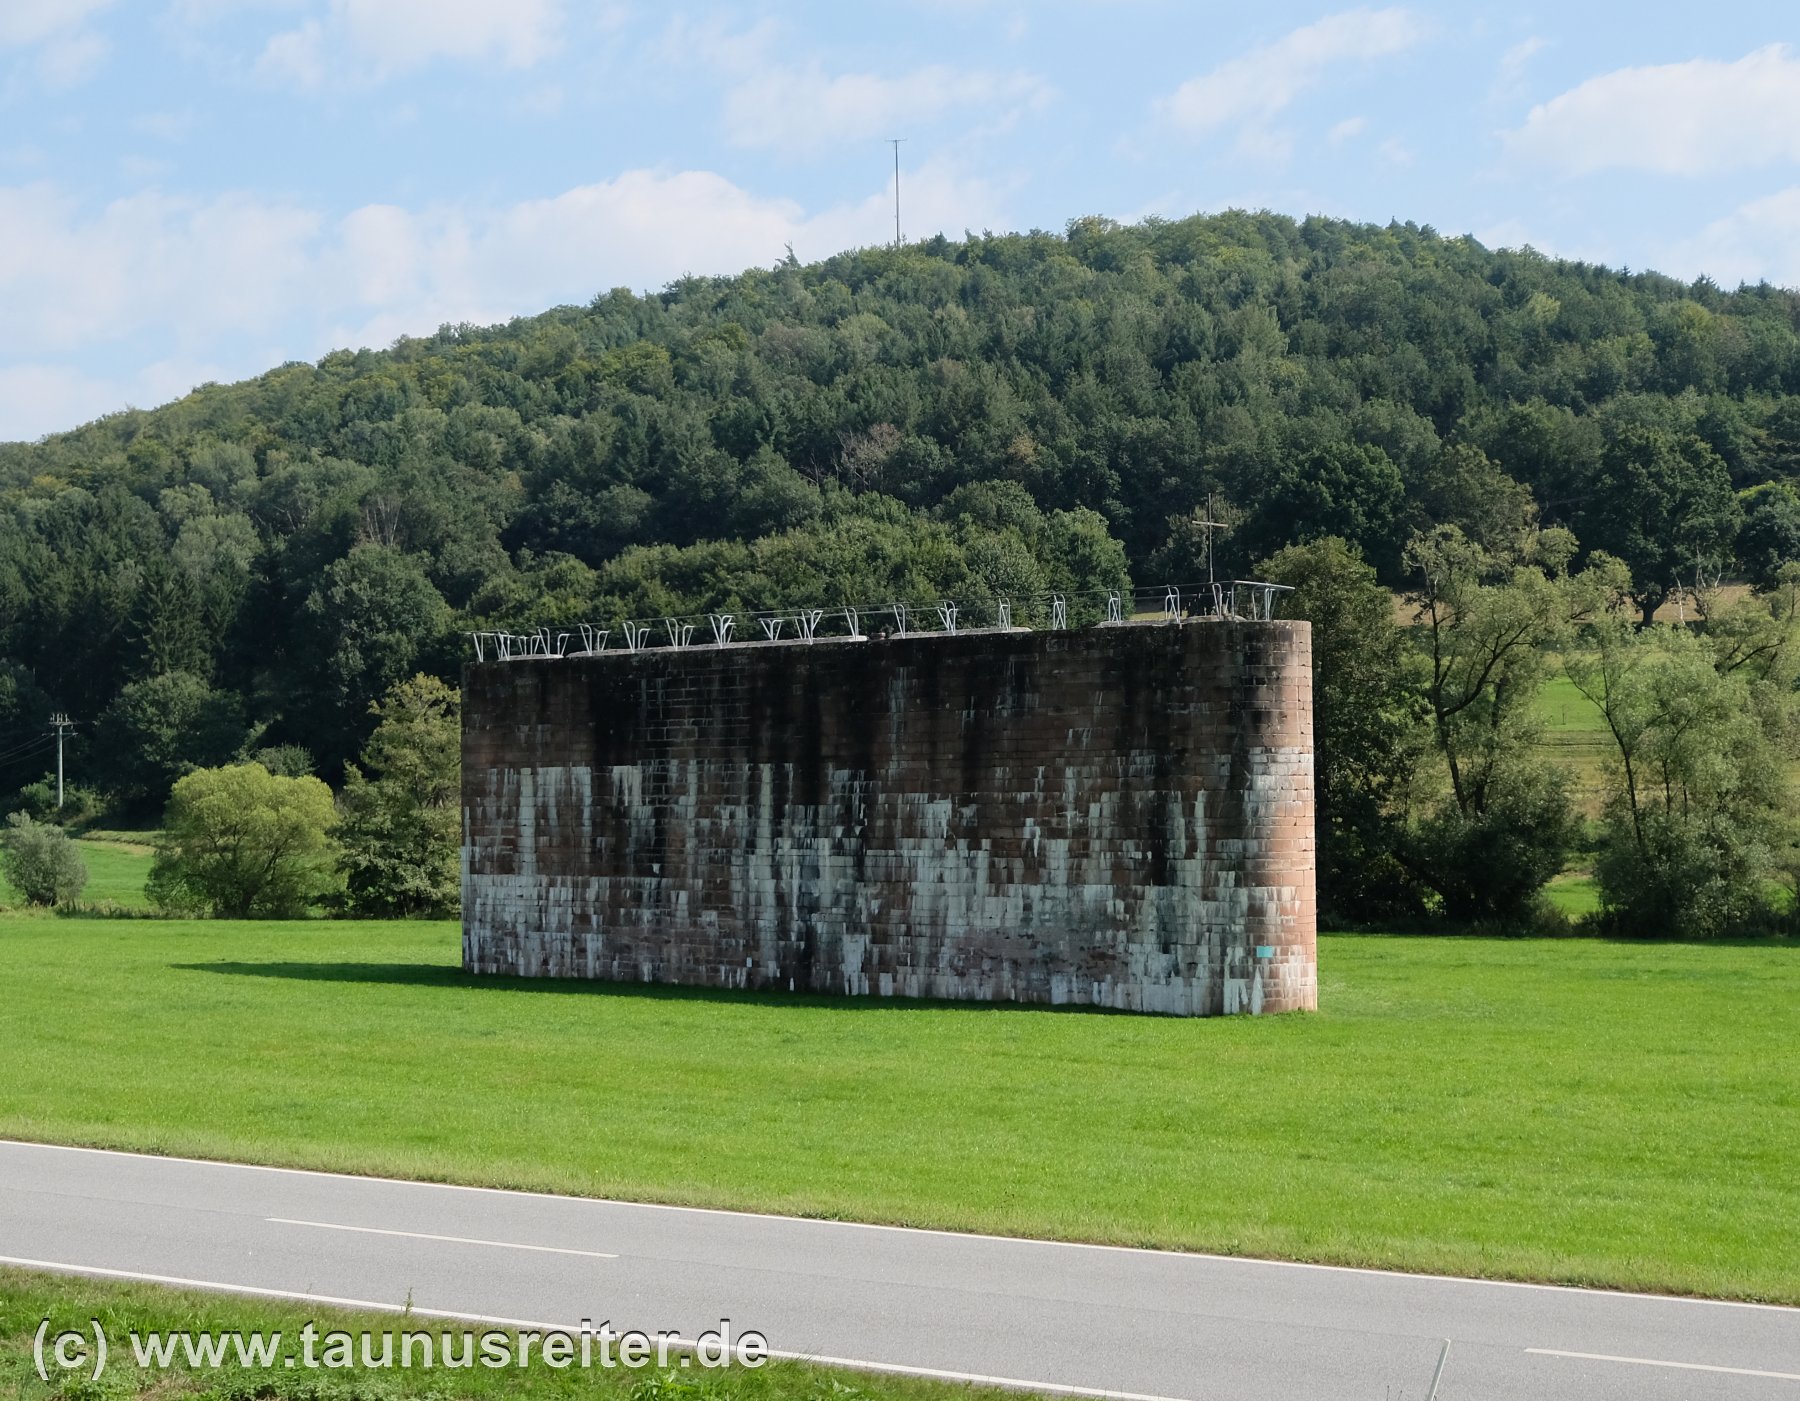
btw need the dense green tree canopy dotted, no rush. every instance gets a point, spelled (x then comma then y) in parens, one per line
(158, 729)
(999, 415)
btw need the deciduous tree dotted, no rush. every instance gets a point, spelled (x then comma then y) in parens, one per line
(160, 728)
(240, 842)
(1368, 726)
(1663, 504)
(399, 839)
(1699, 794)
(1485, 625)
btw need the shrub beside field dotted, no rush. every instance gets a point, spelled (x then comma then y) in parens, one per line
(117, 867)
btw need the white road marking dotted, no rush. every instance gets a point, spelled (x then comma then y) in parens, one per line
(1654, 1362)
(1437, 1377)
(912, 1230)
(453, 1240)
(681, 1345)
(257, 1291)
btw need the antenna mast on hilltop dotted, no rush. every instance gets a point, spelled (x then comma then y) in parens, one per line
(895, 143)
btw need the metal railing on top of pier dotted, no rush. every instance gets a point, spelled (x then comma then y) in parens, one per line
(1231, 600)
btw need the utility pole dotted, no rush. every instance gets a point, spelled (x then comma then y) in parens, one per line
(895, 143)
(60, 722)
(1209, 526)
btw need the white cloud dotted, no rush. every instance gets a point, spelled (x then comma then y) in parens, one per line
(1510, 74)
(34, 21)
(1248, 92)
(1676, 118)
(68, 61)
(800, 109)
(141, 170)
(1506, 233)
(716, 45)
(400, 34)
(198, 268)
(1759, 240)
(409, 271)
(376, 39)
(165, 126)
(67, 51)
(200, 279)
(1514, 60)
(40, 399)
(197, 13)
(1513, 233)
(1347, 130)
(295, 57)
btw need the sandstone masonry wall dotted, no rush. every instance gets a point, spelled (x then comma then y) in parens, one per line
(1120, 816)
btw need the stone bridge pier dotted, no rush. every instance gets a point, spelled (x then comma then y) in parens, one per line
(1120, 816)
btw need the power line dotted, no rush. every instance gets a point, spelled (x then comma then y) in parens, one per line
(25, 769)
(35, 742)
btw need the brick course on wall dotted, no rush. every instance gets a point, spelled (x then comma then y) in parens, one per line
(1119, 816)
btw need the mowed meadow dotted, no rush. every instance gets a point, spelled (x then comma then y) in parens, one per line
(1569, 1110)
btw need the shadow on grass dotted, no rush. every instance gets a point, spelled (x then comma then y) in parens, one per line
(1449, 934)
(442, 975)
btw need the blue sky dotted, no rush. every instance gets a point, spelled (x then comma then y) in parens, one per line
(200, 189)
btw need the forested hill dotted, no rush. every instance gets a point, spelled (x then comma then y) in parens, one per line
(252, 565)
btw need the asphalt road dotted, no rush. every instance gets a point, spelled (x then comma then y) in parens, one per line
(1047, 1316)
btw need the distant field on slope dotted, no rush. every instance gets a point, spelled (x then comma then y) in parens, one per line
(1565, 1110)
(1575, 736)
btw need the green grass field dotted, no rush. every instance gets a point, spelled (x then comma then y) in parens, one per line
(1550, 1109)
(73, 1304)
(1574, 894)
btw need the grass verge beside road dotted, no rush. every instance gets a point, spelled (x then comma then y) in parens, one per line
(1564, 1110)
(75, 1305)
